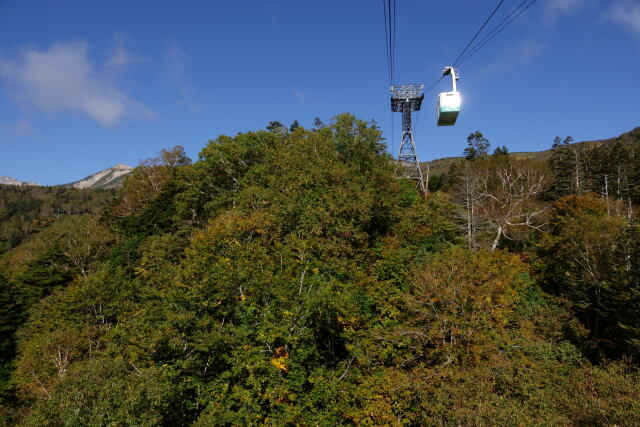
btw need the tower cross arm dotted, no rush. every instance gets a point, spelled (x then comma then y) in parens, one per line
(406, 92)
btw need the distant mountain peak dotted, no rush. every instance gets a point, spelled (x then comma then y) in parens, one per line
(107, 178)
(7, 180)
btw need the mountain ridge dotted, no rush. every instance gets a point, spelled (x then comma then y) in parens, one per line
(442, 165)
(7, 180)
(112, 177)
(105, 179)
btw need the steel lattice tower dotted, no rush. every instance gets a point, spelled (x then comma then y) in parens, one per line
(406, 99)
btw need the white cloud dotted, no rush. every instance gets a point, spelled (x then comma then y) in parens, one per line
(305, 96)
(529, 50)
(62, 79)
(563, 7)
(627, 15)
(21, 128)
(516, 56)
(555, 9)
(175, 67)
(300, 96)
(176, 64)
(120, 56)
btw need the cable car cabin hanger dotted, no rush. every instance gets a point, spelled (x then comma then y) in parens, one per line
(449, 102)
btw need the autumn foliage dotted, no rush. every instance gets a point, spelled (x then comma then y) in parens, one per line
(287, 277)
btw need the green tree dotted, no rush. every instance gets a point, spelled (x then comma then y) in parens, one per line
(266, 288)
(560, 167)
(288, 278)
(586, 258)
(8, 325)
(26, 210)
(173, 158)
(69, 247)
(44, 274)
(275, 127)
(501, 151)
(473, 322)
(477, 146)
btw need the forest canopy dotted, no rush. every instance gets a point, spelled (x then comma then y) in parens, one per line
(287, 277)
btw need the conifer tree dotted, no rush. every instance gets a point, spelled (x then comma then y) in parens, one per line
(477, 146)
(561, 168)
(589, 258)
(275, 127)
(501, 151)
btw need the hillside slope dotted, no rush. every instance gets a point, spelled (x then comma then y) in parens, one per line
(442, 165)
(26, 209)
(7, 180)
(112, 177)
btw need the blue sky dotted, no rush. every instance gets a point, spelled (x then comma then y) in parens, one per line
(86, 85)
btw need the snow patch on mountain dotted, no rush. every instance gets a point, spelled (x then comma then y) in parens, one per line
(7, 180)
(104, 179)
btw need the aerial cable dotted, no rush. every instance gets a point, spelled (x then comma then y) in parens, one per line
(494, 29)
(468, 44)
(391, 23)
(478, 32)
(386, 40)
(390, 37)
(434, 83)
(393, 45)
(484, 42)
(488, 39)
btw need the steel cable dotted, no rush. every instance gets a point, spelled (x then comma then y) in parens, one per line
(478, 32)
(491, 36)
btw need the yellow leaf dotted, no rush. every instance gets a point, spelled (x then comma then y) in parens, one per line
(279, 362)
